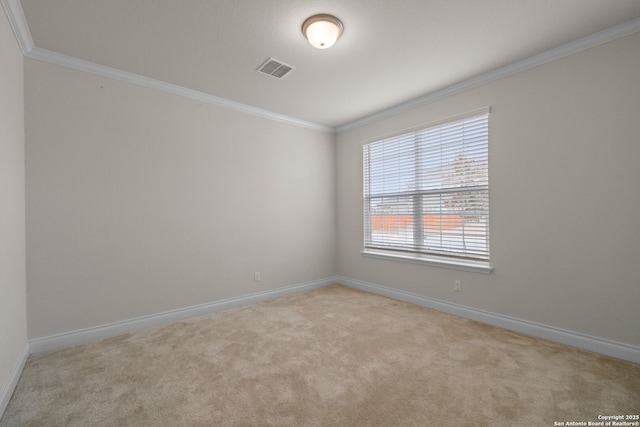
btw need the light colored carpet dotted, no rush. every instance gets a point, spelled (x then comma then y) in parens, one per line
(333, 356)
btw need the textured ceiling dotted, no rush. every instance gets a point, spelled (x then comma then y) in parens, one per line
(392, 51)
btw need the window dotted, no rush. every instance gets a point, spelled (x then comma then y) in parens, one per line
(426, 193)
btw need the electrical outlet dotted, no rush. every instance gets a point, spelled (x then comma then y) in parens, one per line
(256, 276)
(457, 286)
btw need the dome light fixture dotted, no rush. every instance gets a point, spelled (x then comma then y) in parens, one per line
(322, 30)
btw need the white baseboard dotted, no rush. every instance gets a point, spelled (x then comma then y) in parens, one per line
(575, 339)
(11, 383)
(64, 340)
(69, 339)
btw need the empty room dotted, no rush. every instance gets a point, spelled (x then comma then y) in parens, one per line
(320, 213)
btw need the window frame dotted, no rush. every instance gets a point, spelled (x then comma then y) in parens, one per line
(409, 253)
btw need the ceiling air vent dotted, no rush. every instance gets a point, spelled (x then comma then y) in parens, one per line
(275, 68)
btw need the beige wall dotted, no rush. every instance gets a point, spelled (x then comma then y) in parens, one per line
(565, 196)
(139, 201)
(13, 320)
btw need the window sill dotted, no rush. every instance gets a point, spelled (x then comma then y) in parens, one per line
(433, 261)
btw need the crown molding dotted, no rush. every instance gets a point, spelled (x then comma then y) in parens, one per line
(18, 23)
(613, 33)
(102, 70)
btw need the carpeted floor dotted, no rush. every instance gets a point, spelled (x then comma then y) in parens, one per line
(333, 356)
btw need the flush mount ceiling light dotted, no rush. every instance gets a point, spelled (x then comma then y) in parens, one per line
(322, 31)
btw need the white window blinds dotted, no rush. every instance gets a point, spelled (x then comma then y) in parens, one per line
(427, 191)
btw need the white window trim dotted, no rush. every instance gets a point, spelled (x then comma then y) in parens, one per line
(431, 261)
